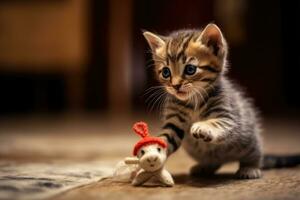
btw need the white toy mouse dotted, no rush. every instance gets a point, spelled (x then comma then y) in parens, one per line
(150, 155)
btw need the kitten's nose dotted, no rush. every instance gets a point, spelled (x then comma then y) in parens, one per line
(177, 86)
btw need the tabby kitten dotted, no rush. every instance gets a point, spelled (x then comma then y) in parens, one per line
(205, 112)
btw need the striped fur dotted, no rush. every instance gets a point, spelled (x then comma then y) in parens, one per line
(208, 115)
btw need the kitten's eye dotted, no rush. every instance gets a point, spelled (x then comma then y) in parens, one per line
(166, 73)
(158, 149)
(142, 152)
(190, 69)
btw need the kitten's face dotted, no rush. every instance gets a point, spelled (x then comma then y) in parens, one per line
(187, 62)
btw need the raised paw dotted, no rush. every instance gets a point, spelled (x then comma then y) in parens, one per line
(248, 173)
(200, 132)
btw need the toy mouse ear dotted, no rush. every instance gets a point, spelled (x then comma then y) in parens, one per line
(141, 128)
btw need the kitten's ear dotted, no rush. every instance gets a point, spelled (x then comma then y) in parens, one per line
(212, 37)
(155, 42)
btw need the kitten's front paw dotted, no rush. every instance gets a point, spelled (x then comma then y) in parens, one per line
(199, 131)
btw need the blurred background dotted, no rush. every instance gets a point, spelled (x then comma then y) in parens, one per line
(89, 56)
(73, 75)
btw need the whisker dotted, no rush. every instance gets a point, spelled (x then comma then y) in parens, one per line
(196, 101)
(153, 95)
(156, 101)
(154, 87)
(211, 87)
(204, 91)
(195, 98)
(200, 95)
(162, 103)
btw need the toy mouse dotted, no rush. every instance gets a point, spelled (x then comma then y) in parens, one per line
(150, 158)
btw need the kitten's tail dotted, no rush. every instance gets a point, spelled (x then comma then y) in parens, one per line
(273, 161)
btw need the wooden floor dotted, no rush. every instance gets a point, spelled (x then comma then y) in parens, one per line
(108, 140)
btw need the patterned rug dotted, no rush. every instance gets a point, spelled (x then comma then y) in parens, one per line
(40, 181)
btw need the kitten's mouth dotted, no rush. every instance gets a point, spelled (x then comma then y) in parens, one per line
(181, 93)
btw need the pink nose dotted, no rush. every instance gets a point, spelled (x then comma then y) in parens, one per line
(151, 159)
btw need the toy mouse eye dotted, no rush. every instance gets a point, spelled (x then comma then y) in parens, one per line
(142, 152)
(158, 149)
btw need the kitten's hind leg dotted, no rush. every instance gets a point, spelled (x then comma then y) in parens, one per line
(248, 173)
(200, 170)
(250, 169)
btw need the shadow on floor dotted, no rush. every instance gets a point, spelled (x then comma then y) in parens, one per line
(209, 181)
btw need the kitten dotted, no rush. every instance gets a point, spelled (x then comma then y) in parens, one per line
(205, 112)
